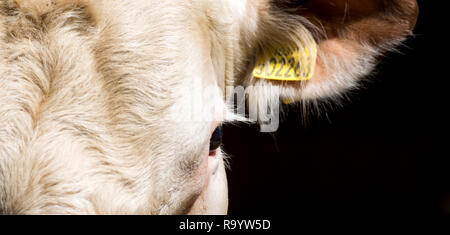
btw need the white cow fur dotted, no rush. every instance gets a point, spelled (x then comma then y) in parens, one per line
(103, 108)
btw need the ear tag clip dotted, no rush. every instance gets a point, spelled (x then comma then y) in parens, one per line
(287, 65)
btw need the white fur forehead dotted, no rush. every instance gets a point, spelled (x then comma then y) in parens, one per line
(239, 7)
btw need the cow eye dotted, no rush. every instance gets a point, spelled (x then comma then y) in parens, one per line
(215, 141)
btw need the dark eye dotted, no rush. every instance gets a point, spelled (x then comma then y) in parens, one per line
(216, 140)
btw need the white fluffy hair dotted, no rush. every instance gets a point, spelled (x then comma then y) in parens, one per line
(103, 108)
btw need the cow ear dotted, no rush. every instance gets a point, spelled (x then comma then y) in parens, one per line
(337, 43)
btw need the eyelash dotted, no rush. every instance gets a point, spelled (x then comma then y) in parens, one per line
(215, 141)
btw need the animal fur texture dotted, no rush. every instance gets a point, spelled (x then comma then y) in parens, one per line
(103, 108)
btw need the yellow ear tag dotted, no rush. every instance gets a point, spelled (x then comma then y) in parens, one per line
(287, 65)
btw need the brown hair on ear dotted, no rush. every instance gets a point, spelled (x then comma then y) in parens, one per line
(377, 22)
(350, 35)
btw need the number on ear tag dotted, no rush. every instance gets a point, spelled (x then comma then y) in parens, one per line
(287, 65)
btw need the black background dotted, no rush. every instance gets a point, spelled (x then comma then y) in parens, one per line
(374, 155)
